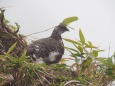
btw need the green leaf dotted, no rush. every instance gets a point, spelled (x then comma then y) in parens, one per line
(95, 53)
(88, 62)
(23, 57)
(71, 41)
(87, 45)
(78, 55)
(109, 71)
(17, 25)
(11, 48)
(13, 27)
(2, 56)
(81, 37)
(80, 49)
(23, 54)
(1, 80)
(105, 61)
(69, 20)
(71, 49)
(12, 59)
(90, 44)
(6, 21)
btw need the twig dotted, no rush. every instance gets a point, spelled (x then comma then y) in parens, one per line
(18, 27)
(46, 80)
(72, 81)
(109, 48)
(40, 80)
(71, 28)
(4, 7)
(40, 31)
(89, 82)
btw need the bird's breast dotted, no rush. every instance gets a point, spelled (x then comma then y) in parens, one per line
(52, 56)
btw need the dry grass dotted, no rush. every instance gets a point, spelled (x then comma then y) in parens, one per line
(9, 36)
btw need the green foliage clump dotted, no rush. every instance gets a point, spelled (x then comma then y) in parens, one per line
(9, 35)
(91, 69)
(88, 69)
(25, 73)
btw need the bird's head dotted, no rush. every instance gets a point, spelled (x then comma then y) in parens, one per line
(58, 30)
(62, 28)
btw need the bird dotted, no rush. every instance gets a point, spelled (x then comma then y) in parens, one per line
(48, 50)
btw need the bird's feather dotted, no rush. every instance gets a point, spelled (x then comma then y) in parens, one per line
(44, 47)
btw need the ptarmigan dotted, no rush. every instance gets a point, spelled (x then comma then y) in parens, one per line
(48, 50)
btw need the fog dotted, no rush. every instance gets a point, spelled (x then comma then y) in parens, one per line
(96, 19)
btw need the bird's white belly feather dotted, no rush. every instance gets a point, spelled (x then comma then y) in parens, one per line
(52, 56)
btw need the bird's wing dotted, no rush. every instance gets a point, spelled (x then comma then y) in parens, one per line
(42, 47)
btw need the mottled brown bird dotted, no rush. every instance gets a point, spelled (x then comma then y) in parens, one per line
(48, 50)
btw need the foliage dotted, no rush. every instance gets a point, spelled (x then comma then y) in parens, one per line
(91, 69)
(88, 69)
(16, 70)
(69, 20)
(25, 73)
(9, 35)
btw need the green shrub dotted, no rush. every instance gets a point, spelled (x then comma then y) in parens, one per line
(91, 69)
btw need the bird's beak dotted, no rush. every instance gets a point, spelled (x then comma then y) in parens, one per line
(67, 29)
(62, 26)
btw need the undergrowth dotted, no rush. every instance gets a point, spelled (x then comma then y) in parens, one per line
(88, 69)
